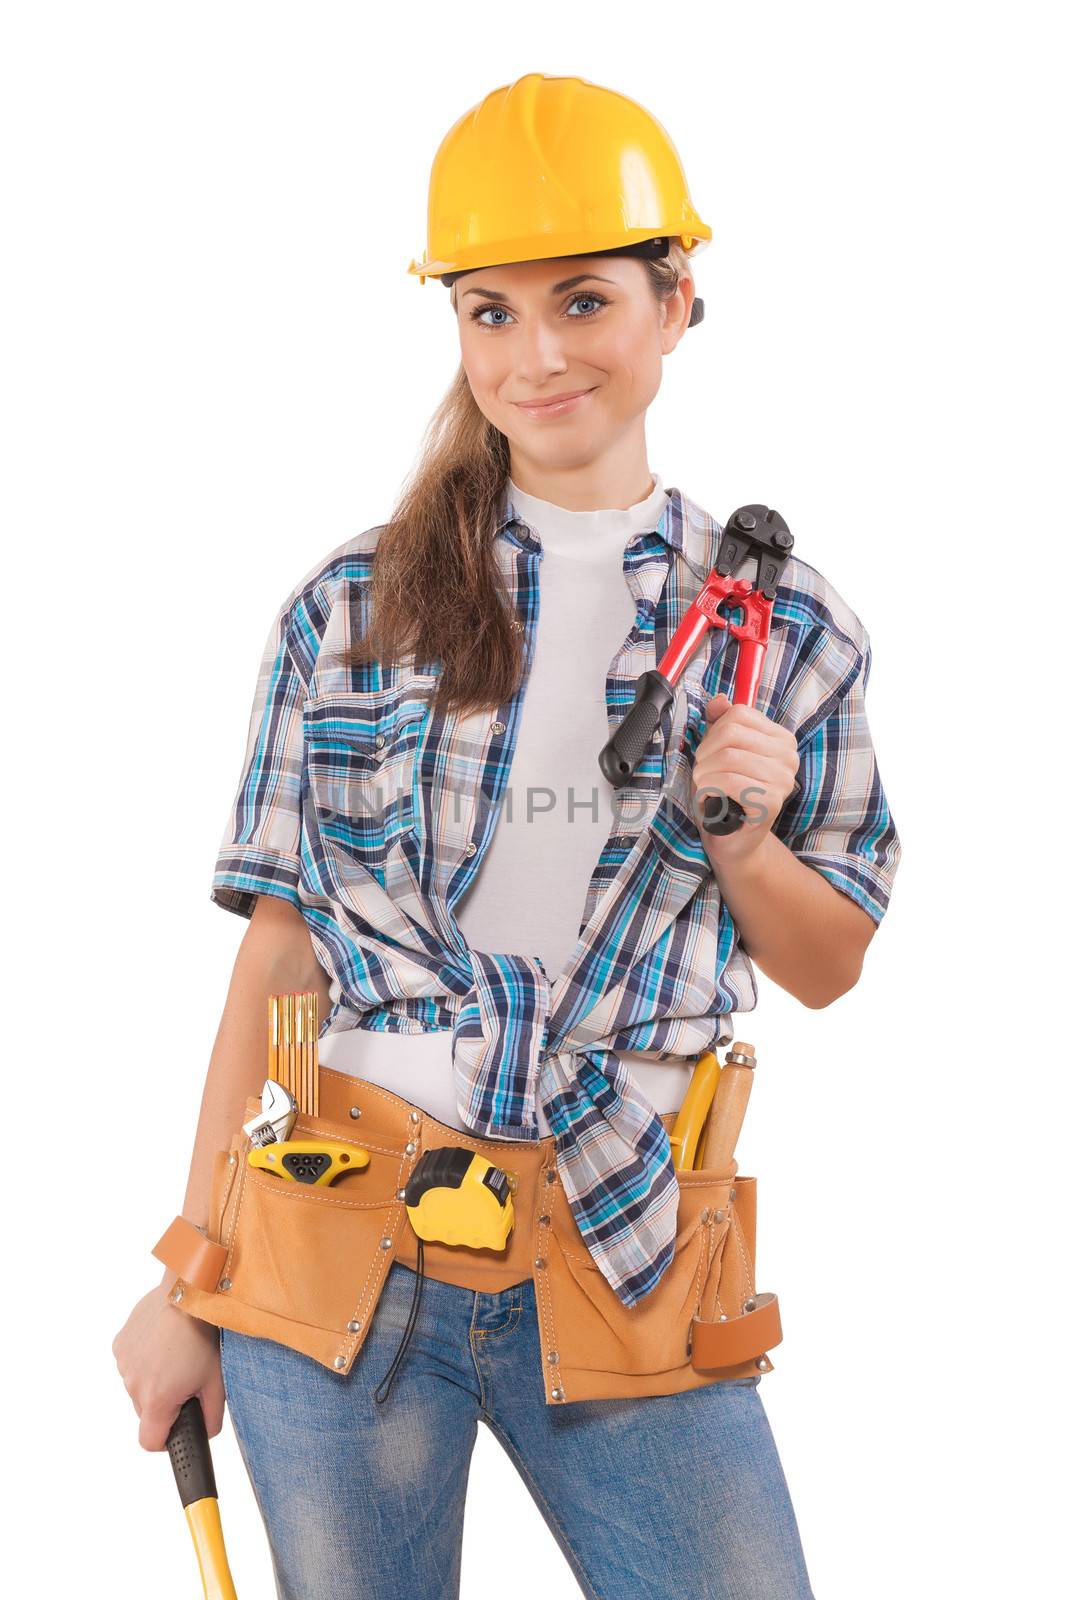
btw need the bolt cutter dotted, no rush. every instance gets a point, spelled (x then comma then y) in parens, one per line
(752, 531)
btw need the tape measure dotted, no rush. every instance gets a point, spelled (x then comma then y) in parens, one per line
(458, 1197)
(455, 1196)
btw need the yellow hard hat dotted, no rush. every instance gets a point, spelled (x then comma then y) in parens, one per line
(552, 166)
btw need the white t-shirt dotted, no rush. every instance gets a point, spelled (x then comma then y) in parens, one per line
(529, 895)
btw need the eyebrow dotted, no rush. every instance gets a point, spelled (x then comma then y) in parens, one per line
(557, 288)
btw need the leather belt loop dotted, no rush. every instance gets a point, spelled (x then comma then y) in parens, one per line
(733, 1340)
(191, 1254)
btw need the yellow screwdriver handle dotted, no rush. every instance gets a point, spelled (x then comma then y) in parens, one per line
(686, 1137)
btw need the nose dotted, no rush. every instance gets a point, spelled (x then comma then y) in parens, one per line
(539, 353)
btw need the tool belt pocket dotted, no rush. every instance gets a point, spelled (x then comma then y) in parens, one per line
(710, 1278)
(300, 1263)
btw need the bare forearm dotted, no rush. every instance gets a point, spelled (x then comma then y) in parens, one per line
(264, 965)
(802, 932)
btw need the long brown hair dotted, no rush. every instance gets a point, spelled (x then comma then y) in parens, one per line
(436, 591)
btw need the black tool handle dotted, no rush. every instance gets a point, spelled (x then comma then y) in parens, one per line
(190, 1454)
(718, 821)
(628, 743)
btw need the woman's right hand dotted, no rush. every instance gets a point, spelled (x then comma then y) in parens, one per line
(166, 1355)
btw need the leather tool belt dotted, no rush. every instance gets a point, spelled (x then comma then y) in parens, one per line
(305, 1265)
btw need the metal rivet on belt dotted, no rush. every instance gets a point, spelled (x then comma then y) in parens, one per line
(705, 1214)
(540, 1262)
(543, 1219)
(225, 1284)
(750, 1305)
(414, 1116)
(724, 1317)
(354, 1326)
(720, 1216)
(553, 1355)
(557, 1394)
(550, 1175)
(176, 1296)
(733, 1194)
(386, 1242)
(400, 1193)
(763, 1363)
(338, 1362)
(354, 1111)
(233, 1159)
(409, 1148)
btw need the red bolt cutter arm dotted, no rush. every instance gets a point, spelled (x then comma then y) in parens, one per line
(751, 531)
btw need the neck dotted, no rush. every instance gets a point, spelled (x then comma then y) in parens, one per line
(615, 481)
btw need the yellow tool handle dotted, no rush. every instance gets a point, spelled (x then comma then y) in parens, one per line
(205, 1525)
(308, 1160)
(691, 1120)
(190, 1457)
(728, 1111)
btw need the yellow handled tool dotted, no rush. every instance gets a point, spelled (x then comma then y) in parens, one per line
(190, 1456)
(690, 1125)
(308, 1160)
(707, 1126)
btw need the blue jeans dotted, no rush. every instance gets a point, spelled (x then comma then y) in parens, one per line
(678, 1496)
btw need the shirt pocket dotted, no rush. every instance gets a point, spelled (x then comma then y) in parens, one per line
(361, 748)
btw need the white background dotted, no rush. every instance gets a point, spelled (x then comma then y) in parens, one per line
(216, 368)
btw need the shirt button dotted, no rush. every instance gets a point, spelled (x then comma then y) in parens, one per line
(471, 848)
(380, 740)
(497, 727)
(520, 627)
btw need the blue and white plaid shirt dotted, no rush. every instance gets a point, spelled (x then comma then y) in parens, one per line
(372, 814)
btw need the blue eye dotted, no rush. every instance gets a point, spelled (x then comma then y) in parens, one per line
(596, 300)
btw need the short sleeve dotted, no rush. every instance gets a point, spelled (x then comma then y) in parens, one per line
(260, 849)
(838, 819)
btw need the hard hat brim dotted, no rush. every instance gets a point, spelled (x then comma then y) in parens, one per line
(541, 248)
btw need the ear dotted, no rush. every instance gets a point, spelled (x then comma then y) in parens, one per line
(677, 311)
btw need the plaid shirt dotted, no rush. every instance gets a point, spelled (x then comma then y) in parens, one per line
(372, 813)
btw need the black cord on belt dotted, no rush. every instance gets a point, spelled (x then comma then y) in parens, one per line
(408, 1331)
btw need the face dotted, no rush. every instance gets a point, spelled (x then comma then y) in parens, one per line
(532, 331)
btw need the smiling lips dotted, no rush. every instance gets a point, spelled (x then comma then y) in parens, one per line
(554, 407)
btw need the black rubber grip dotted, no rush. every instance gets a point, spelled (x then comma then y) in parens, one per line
(624, 749)
(719, 821)
(190, 1454)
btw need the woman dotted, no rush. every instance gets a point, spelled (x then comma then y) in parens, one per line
(472, 643)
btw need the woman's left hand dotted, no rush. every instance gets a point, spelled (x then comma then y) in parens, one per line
(753, 760)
